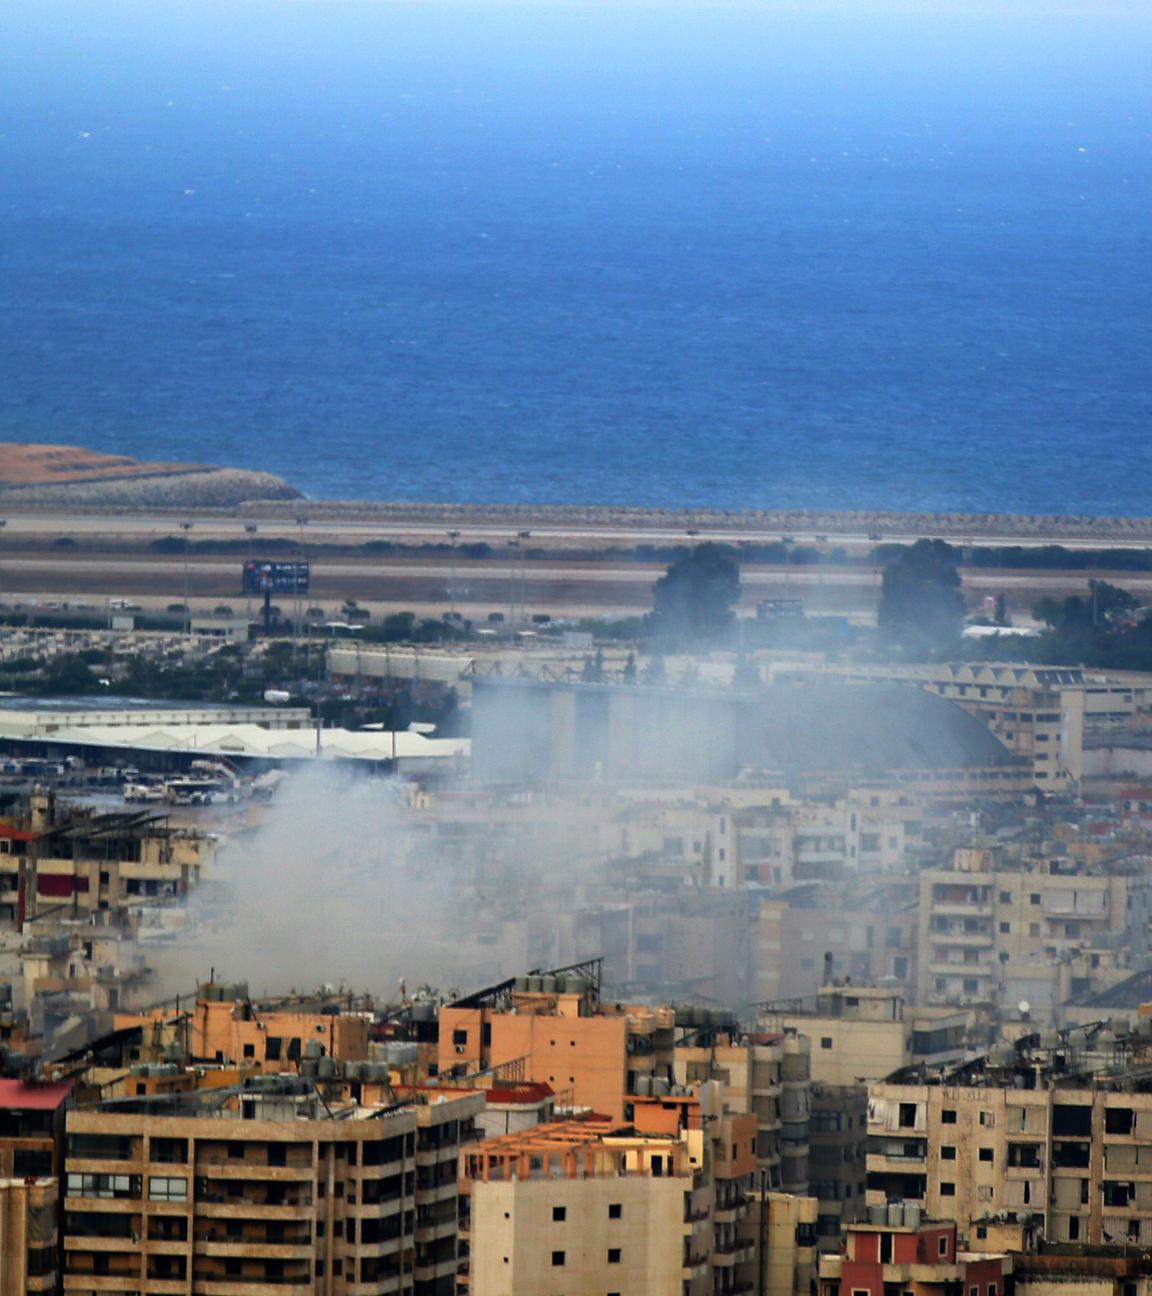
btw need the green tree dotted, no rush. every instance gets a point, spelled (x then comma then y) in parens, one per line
(693, 602)
(921, 609)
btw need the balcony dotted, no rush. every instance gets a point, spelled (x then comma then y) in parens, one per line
(962, 908)
(251, 1248)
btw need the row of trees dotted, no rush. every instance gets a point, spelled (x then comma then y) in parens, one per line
(920, 615)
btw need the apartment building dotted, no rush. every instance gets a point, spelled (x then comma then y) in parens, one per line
(267, 1188)
(446, 1124)
(865, 1031)
(913, 1256)
(868, 830)
(29, 1251)
(225, 1025)
(561, 1033)
(32, 1115)
(1053, 1130)
(991, 926)
(869, 929)
(58, 856)
(583, 1206)
(764, 1076)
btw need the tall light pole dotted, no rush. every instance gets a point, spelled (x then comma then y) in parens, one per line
(453, 536)
(301, 523)
(3, 524)
(513, 545)
(524, 536)
(186, 527)
(249, 531)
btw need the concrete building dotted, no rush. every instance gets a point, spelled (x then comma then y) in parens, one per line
(869, 928)
(225, 1026)
(998, 929)
(29, 1250)
(583, 1206)
(864, 1032)
(591, 1053)
(1049, 1130)
(1039, 713)
(59, 856)
(254, 1190)
(912, 1256)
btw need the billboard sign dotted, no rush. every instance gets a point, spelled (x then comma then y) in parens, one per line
(262, 577)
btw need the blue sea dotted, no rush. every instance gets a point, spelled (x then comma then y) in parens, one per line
(855, 255)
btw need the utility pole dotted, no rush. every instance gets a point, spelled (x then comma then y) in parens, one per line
(186, 527)
(250, 531)
(453, 536)
(524, 536)
(3, 524)
(301, 523)
(514, 545)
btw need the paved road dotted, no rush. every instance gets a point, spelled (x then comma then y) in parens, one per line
(479, 587)
(321, 528)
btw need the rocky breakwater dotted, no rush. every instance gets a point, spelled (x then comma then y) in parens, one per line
(63, 475)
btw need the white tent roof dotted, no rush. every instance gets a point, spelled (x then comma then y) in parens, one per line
(273, 744)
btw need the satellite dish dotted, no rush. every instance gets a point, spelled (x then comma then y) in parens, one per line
(1025, 1007)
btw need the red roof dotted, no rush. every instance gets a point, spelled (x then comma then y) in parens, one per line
(531, 1091)
(18, 834)
(24, 1095)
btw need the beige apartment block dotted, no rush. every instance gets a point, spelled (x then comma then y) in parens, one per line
(985, 918)
(1019, 1133)
(241, 1191)
(768, 1077)
(580, 1207)
(865, 1032)
(59, 857)
(612, 1217)
(869, 830)
(28, 1236)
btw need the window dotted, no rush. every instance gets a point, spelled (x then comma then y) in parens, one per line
(272, 1048)
(907, 1115)
(825, 1041)
(1034, 898)
(557, 1259)
(103, 1185)
(249, 1050)
(947, 1153)
(947, 1190)
(943, 1247)
(613, 1255)
(162, 1188)
(948, 1116)
(459, 1037)
(559, 1213)
(1005, 927)
(1005, 897)
(615, 1210)
(1118, 1120)
(985, 1154)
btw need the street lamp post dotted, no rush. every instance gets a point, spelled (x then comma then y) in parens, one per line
(250, 531)
(186, 527)
(3, 524)
(524, 536)
(453, 536)
(301, 523)
(513, 545)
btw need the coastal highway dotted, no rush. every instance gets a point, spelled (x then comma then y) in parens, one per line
(478, 587)
(329, 525)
